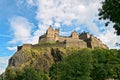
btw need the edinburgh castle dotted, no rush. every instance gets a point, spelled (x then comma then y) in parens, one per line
(52, 39)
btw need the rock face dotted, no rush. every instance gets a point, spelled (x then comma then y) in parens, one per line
(38, 58)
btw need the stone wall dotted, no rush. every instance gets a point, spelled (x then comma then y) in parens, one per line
(27, 46)
(97, 43)
(84, 36)
(63, 38)
(24, 46)
(74, 35)
(76, 43)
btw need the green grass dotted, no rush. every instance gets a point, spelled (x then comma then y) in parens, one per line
(51, 42)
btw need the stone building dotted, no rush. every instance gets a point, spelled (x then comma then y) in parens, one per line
(91, 41)
(83, 40)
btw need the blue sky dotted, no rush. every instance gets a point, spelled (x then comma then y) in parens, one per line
(23, 21)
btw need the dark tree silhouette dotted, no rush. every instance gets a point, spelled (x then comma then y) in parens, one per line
(111, 11)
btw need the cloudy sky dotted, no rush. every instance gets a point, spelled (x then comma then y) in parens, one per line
(23, 21)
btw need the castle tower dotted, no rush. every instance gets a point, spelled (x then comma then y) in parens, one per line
(74, 35)
(56, 34)
(84, 36)
(87, 38)
(56, 31)
(50, 32)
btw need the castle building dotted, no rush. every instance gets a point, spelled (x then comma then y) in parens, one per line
(83, 40)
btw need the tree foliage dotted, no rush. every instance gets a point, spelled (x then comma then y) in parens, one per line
(111, 11)
(75, 67)
(97, 64)
(28, 73)
(105, 64)
(10, 74)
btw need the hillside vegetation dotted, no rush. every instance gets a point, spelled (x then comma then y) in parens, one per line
(64, 64)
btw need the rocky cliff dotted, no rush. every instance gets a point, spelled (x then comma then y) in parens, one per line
(38, 58)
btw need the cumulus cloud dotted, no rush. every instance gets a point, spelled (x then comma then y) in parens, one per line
(67, 12)
(21, 29)
(3, 63)
(110, 38)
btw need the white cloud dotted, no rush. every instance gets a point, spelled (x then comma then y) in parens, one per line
(110, 38)
(31, 2)
(22, 29)
(3, 63)
(66, 11)
(12, 48)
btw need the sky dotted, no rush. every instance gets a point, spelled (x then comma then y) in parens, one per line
(23, 21)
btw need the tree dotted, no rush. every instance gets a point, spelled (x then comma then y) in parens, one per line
(76, 66)
(105, 64)
(111, 11)
(29, 74)
(10, 74)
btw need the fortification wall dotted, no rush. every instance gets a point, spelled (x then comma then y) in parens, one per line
(24, 46)
(62, 38)
(97, 43)
(76, 43)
